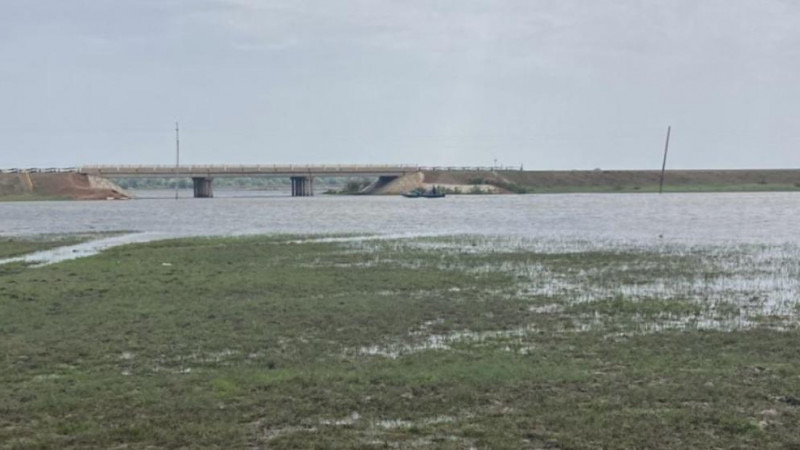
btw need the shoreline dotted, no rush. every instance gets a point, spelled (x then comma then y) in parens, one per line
(71, 186)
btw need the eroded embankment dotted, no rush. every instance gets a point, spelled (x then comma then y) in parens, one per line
(67, 186)
(521, 181)
(674, 180)
(451, 182)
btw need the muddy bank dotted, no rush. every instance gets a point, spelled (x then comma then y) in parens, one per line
(427, 180)
(649, 179)
(55, 186)
(518, 181)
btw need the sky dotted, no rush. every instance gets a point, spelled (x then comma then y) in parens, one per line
(546, 84)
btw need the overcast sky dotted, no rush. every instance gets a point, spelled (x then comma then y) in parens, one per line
(551, 84)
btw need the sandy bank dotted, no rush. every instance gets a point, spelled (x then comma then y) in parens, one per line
(518, 181)
(69, 186)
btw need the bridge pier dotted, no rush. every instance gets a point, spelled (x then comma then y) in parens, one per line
(302, 186)
(202, 187)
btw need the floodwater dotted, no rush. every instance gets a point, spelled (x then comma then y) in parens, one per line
(745, 246)
(93, 247)
(638, 219)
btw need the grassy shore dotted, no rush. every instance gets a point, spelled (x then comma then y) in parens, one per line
(694, 188)
(16, 246)
(275, 342)
(700, 188)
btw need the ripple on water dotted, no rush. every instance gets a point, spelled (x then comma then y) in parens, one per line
(650, 219)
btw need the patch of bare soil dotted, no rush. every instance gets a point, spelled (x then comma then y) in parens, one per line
(63, 185)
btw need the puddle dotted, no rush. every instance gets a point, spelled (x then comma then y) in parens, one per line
(349, 420)
(368, 237)
(550, 308)
(442, 341)
(82, 250)
(380, 432)
(90, 248)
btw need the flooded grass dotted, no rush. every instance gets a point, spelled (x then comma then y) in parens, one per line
(16, 246)
(428, 342)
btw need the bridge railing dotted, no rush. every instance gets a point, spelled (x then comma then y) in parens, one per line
(40, 170)
(244, 167)
(467, 168)
(256, 168)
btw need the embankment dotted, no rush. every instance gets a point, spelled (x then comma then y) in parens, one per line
(58, 186)
(456, 182)
(648, 180)
(518, 181)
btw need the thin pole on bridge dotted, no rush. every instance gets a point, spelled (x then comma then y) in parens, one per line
(177, 156)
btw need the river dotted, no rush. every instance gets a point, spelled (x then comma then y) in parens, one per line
(696, 218)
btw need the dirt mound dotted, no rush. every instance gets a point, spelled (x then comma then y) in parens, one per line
(470, 181)
(446, 182)
(73, 186)
(395, 186)
(13, 184)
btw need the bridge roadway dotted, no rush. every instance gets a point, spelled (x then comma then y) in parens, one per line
(249, 170)
(302, 176)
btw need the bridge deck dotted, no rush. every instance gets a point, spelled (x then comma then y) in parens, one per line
(252, 170)
(247, 170)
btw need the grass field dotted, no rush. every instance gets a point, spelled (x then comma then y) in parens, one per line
(650, 188)
(283, 342)
(647, 188)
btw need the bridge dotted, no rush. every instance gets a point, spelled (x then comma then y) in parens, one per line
(302, 176)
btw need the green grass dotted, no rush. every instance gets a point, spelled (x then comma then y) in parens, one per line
(257, 342)
(698, 188)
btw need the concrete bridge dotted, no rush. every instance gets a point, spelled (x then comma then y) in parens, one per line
(302, 176)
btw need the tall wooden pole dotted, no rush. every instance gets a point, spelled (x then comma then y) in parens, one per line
(664, 163)
(177, 156)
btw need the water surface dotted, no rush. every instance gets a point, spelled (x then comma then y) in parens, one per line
(704, 218)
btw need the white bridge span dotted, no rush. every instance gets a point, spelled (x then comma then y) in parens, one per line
(252, 170)
(302, 176)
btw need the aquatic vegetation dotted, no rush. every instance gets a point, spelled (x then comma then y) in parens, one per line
(433, 341)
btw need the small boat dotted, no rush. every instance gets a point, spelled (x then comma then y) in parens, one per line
(421, 193)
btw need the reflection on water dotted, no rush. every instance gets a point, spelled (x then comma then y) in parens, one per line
(185, 194)
(640, 219)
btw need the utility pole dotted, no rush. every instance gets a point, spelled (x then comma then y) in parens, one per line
(664, 163)
(177, 155)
